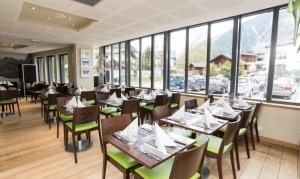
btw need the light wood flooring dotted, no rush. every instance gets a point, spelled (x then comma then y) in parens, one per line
(28, 149)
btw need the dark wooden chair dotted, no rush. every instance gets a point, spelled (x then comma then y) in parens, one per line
(191, 104)
(175, 100)
(217, 147)
(51, 106)
(210, 97)
(253, 125)
(131, 107)
(187, 164)
(128, 89)
(102, 96)
(61, 102)
(160, 100)
(62, 89)
(135, 92)
(118, 92)
(89, 96)
(10, 98)
(85, 120)
(113, 155)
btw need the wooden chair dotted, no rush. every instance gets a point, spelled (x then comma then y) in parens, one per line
(89, 96)
(131, 107)
(135, 92)
(210, 97)
(118, 92)
(163, 112)
(186, 165)
(128, 89)
(85, 120)
(10, 98)
(51, 106)
(107, 111)
(191, 104)
(102, 96)
(61, 102)
(175, 100)
(217, 147)
(253, 124)
(119, 159)
(160, 100)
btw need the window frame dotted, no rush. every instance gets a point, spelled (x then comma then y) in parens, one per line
(48, 68)
(61, 67)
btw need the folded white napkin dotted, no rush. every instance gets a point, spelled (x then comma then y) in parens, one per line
(4, 82)
(142, 93)
(1, 82)
(205, 105)
(153, 94)
(242, 102)
(72, 103)
(50, 91)
(2, 88)
(162, 139)
(113, 97)
(227, 108)
(179, 114)
(105, 89)
(80, 104)
(131, 131)
(123, 97)
(221, 101)
(209, 119)
(9, 83)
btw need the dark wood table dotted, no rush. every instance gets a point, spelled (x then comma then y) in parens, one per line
(141, 157)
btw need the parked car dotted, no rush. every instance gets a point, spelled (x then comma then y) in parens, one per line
(261, 79)
(219, 84)
(247, 86)
(176, 82)
(281, 88)
(290, 81)
(196, 82)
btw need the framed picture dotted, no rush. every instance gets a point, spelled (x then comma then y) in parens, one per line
(86, 72)
(86, 53)
(85, 62)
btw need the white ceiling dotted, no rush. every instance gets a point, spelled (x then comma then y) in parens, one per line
(118, 20)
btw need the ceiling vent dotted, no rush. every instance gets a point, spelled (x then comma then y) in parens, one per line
(88, 2)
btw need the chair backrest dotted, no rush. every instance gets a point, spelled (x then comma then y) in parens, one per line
(52, 98)
(191, 104)
(255, 113)
(112, 125)
(175, 98)
(62, 89)
(118, 92)
(246, 117)
(62, 101)
(88, 95)
(135, 92)
(230, 133)
(130, 106)
(160, 100)
(102, 95)
(210, 97)
(187, 163)
(128, 89)
(9, 94)
(86, 115)
(159, 113)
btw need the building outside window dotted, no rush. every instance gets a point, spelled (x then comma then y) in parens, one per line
(41, 70)
(158, 58)
(116, 64)
(146, 62)
(107, 65)
(51, 69)
(134, 62)
(64, 68)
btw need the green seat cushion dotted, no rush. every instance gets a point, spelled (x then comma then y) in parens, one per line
(52, 107)
(223, 129)
(66, 118)
(8, 101)
(121, 158)
(45, 102)
(90, 102)
(214, 143)
(108, 110)
(37, 92)
(180, 131)
(149, 107)
(254, 120)
(82, 127)
(241, 131)
(11, 88)
(174, 105)
(161, 171)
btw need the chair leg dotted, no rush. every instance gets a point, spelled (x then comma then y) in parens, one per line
(247, 145)
(66, 137)
(42, 110)
(19, 109)
(219, 162)
(232, 163)
(13, 108)
(126, 175)
(252, 137)
(9, 106)
(236, 148)
(74, 147)
(100, 138)
(57, 134)
(256, 131)
(104, 166)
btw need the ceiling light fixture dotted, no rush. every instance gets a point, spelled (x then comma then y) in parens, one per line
(69, 18)
(33, 8)
(48, 18)
(73, 25)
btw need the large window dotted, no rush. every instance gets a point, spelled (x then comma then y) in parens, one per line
(158, 70)
(41, 70)
(64, 68)
(134, 62)
(116, 64)
(107, 65)
(122, 63)
(254, 55)
(220, 57)
(177, 60)
(286, 83)
(197, 59)
(146, 62)
(51, 69)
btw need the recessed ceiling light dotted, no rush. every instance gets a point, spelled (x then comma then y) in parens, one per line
(48, 18)
(33, 8)
(34, 41)
(70, 18)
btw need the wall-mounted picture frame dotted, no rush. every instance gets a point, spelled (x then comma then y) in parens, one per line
(86, 53)
(86, 63)
(86, 72)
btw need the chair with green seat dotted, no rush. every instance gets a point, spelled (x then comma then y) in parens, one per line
(85, 120)
(253, 124)
(191, 104)
(175, 100)
(64, 118)
(242, 132)
(131, 107)
(119, 159)
(108, 110)
(218, 147)
(160, 100)
(10, 98)
(186, 165)
(51, 106)
(163, 112)
(89, 96)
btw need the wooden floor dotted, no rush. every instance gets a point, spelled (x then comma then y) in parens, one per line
(28, 149)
